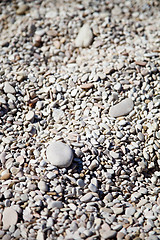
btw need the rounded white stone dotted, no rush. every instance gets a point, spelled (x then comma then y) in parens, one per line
(59, 154)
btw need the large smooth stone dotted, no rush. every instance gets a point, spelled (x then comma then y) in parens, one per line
(59, 154)
(122, 108)
(10, 217)
(84, 37)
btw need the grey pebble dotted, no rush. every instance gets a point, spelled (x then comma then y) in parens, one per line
(59, 154)
(122, 108)
(43, 186)
(87, 197)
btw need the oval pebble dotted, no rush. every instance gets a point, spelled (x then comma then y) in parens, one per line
(43, 186)
(59, 154)
(122, 108)
(87, 197)
(10, 217)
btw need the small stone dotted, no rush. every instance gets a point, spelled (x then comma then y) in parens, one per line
(5, 175)
(92, 187)
(80, 183)
(87, 86)
(6, 237)
(87, 197)
(122, 108)
(141, 63)
(40, 235)
(118, 210)
(117, 86)
(8, 88)
(7, 194)
(158, 135)
(24, 197)
(120, 236)
(43, 186)
(59, 154)
(130, 211)
(106, 232)
(10, 217)
(141, 137)
(22, 9)
(30, 116)
(57, 204)
(84, 37)
(3, 158)
(114, 154)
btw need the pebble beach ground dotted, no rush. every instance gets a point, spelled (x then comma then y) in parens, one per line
(79, 120)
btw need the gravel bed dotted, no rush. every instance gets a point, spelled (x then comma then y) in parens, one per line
(79, 120)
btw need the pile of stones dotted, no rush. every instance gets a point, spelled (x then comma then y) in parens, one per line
(79, 120)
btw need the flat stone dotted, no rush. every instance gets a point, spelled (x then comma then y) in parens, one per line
(30, 116)
(87, 197)
(87, 86)
(106, 232)
(130, 211)
(8, 88)
(141, 137)
(84, 37)
(114, 154)
(59, 154)
(122, 108)
(10, 217)
(57, 204)
(141, 63)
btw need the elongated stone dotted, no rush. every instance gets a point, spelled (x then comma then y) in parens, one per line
(122, 108)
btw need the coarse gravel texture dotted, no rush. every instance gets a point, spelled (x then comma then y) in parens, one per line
(54, 87)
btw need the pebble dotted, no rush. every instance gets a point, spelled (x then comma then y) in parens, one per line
(30, 116)
(84, 37)
(80, 183)
(122, 108)
(10, 217)
(59, 154)
(130, 211)
(141, 137)
(57, 204)
(8, 88)
(87, 197)
(87, 86)
(69, 88)
(106, 232)
(22, 9)
(43, 186)
(5, 175)
(40, 235)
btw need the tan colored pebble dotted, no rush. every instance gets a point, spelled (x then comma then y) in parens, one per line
(87, 86)
(5, 175)
(140, 63)
(22, 9)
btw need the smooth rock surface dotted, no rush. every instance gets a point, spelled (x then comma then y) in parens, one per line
(10, 217)
(122, 108)
(8, 88)
(84, 37)
(59, 154)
